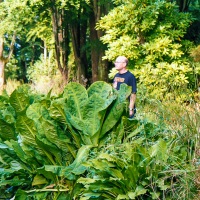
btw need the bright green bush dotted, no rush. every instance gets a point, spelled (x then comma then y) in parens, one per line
(150, 34)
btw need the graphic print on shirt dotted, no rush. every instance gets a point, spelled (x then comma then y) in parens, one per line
(118, 79)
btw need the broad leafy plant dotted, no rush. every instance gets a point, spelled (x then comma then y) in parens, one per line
(80, 145)
(41, 134)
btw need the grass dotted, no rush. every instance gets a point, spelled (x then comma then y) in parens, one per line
(43, 86)
(10, 86)
(183, 121)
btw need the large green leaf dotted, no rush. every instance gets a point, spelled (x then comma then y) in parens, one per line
(159, 150)
(117, 109)
(8, 114)
(57, 111)
(7, 131)
(76, 168)
(48, 130)
(36, 111)
(20, 99)
(132, 174)
(76, 96)
(104, 90)
(6, 155)
(100, 87)
(19, 155)
(39, 180)
(89, 120)
(57, 137)
(27, 132)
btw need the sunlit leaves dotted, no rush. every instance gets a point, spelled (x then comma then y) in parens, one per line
(139, 23)
(160, 47)
(150, 33)
(165, 76)
(124, 44)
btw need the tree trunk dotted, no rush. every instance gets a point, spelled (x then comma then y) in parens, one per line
(2, 63)
(77, 46)
(99, 66)
(78, 29)
(2, 67)
(94, 51)
(4, 60)
(61, 37)
(183, 5)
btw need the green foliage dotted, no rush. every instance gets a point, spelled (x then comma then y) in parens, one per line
(150, 34)
(46, 132)
(79, 145)
(144, 23)
(12, 69)
(166, 81)
(87, 112)
(21, 17)
(148, 164)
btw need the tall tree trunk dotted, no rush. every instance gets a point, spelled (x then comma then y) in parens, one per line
(2, 63)
(5, 60)
(2, 67)
(183, 5)
(94, 50)
(61, 36)
(99, 66)
(78, 30)
(77, 46)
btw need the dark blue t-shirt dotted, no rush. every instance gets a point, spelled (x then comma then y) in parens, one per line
(127, 78)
